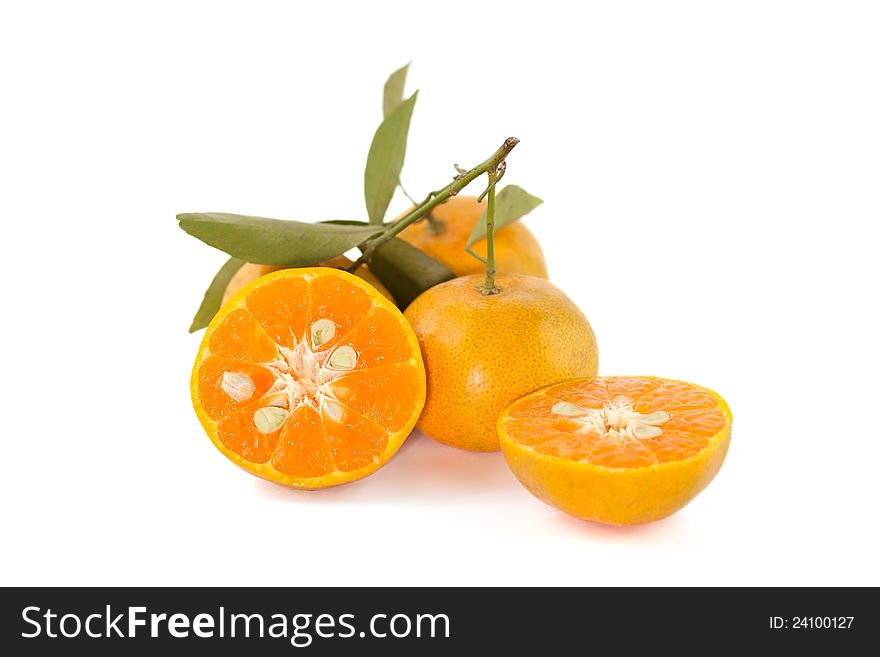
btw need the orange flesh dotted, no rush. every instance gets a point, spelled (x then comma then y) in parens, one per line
(694, 418)
(339, 420)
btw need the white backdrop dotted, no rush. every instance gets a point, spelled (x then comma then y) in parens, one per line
(710, 172)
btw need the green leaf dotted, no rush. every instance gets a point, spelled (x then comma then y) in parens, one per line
(407, 271)
(385, 159)
(511, 204)
(393, 93)
(214, 294)
(344, 222)
(274, 241)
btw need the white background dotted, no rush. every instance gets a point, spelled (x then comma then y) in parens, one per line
(710, 172)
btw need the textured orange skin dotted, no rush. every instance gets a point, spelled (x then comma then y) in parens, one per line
(251, 272)
(615, 496)
(265, 470)
(516, 249)
(482, 352)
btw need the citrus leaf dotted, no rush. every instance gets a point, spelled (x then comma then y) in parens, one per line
(274, 241)
(214, 294)
(511, 204)
(407, 271)
(393, 92)
(344, 222)
(385, 159)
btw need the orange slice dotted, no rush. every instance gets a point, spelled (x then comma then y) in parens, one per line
(619, 450)
(309, 378)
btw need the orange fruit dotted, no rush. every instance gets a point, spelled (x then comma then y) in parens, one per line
(309, 378)
(620, 450)
(516, 249)
(251, 272)
(483, 352)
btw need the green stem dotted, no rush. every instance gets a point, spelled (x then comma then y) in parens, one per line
(489, 285)
(433, 200)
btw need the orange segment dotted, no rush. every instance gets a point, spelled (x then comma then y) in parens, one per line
(676, 446)
(215, 400)
(281, 309)
(588, 394)
(341, 301)
(384, 394)
(568, 446)
(534, 431)
(635, 387)
(537, 406)
(676, 396)
(625, 454)
(697, 422)
(381, 340)
(238, 336)
(356, 441)
(299, 413)
(303, 450)
(618, 450)
(238, 434)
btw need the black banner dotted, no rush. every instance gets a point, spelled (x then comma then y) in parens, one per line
(115, 621)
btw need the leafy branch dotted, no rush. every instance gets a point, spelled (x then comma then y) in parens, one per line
(434, 199)
(405, 270)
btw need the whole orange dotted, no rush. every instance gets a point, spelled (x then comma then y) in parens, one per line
(482, 352)
(445, 236)
(251, 272)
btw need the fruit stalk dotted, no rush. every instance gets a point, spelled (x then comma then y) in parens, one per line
(489, 285)
(433, 200)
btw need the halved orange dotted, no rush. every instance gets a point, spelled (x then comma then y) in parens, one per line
(619, 450)
(309, 378)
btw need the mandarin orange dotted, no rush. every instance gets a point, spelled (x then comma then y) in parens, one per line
(308, 377)
(619, 450)
(482, 352)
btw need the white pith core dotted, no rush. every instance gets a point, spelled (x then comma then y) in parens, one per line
(616, 419)
(302, 378)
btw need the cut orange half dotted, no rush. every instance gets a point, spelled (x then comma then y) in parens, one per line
(308, 378)
(620, 450)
